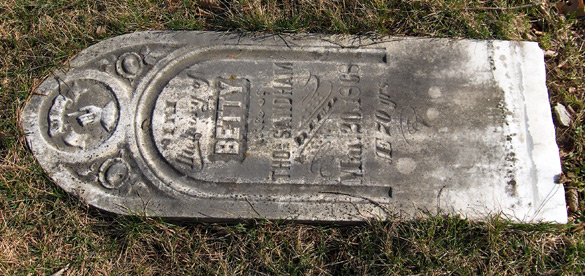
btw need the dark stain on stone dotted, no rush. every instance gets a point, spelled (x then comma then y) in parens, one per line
(511, 187)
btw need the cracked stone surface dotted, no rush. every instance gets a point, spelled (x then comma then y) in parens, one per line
(223, 126)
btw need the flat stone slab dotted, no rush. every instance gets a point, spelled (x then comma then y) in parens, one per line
(223, 126)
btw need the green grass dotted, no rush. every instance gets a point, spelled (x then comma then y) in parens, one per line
(43, 229)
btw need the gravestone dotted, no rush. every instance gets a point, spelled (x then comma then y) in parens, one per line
(222, 126)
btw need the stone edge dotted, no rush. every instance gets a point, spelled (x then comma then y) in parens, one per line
(549, 195)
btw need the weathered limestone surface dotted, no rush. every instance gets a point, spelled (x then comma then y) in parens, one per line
(223, 126)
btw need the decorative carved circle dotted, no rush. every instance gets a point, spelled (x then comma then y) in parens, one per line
(82, 115)
(113, 173)
(129, 65)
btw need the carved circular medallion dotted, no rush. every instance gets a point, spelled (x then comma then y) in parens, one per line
(113, 173)
(82, 115)
(129, 65)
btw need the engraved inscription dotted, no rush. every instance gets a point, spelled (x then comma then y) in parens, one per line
(281, 162)
(168, 127)
(351, 169)
(190, 155)
(264, 122)
(182, 119)
(383, 118)
(230, 123)
(281, 89)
